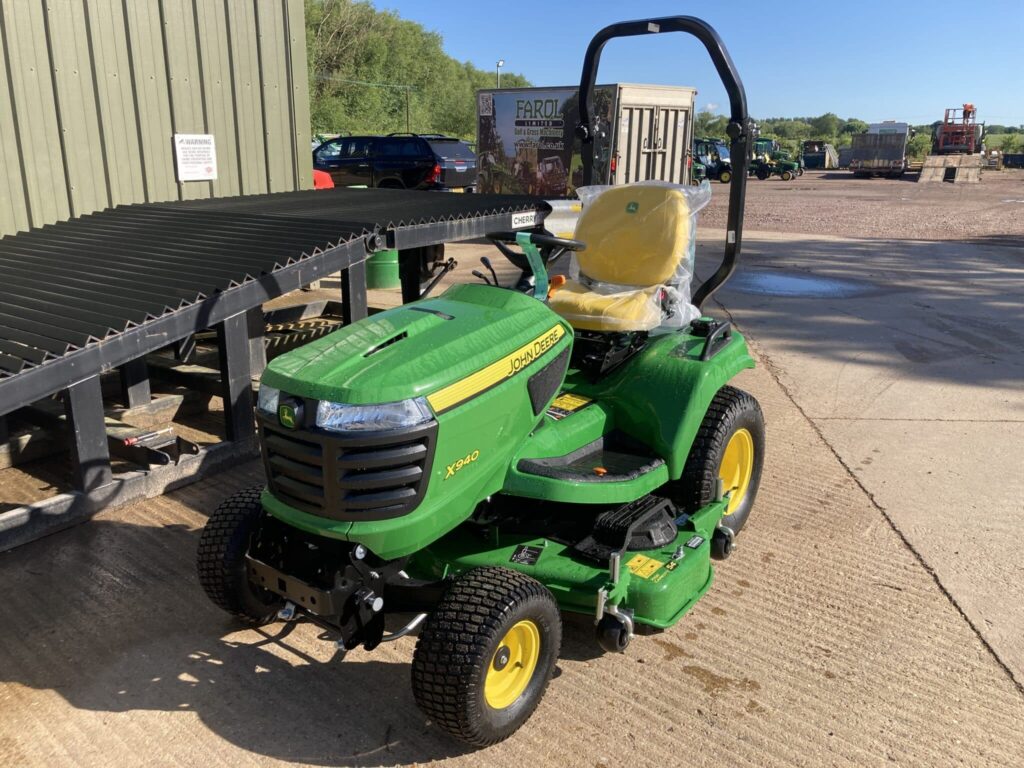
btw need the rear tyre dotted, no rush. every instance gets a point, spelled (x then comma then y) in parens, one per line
(762, 173)
(220, 560)
(729, 445)
(486, 654)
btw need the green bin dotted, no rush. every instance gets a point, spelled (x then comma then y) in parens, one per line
(382, 270)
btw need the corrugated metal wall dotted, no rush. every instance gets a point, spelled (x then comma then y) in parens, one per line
(92, 92)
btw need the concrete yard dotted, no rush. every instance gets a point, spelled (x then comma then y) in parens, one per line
(872, 614)
(908, 358)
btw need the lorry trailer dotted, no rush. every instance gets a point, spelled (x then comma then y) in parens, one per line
(882, 150)
(526, 140)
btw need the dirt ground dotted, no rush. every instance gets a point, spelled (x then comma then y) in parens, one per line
(835, 203)
(851, 628)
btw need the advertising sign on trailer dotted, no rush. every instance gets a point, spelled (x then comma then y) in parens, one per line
(526, 140)
(526, 137)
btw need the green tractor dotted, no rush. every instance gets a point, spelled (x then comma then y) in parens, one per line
(473, 465)
(771, 160)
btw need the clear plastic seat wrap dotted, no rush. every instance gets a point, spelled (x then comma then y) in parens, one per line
(635, 273)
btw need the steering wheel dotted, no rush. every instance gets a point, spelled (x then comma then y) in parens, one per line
(550, 247)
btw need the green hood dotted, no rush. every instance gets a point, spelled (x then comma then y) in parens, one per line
(413, 350)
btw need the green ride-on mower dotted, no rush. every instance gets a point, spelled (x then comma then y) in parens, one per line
(771, 160)
(472, 465)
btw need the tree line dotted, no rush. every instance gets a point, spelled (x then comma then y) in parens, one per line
(791, 132)
(373, 72)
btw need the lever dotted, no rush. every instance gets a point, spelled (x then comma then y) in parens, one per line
(447, 267)
(481, 275)
(487, 263)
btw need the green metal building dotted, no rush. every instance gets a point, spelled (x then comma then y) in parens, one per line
(93, 93)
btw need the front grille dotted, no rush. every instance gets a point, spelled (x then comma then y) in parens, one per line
(372, 476)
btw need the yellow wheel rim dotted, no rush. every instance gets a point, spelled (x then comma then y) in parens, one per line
(513, 665)
(737, 467)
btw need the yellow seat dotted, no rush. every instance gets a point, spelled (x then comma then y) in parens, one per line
(636, 236)
(632, 310)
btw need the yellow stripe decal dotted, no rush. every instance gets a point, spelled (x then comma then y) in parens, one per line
(494, 373)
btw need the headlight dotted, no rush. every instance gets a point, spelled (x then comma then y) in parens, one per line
(341, 417)
(268, 399)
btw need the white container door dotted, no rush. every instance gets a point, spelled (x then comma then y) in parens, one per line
(652, 144)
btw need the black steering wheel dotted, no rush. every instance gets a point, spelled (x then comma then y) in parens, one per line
(550, 247)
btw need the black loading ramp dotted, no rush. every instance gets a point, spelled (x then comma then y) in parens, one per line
(102, 291)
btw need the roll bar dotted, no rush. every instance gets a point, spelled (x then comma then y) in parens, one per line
(742, 130)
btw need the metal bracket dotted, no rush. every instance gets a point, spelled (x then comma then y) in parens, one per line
(410, 627)
(154, 448)
(375, 241)
(625, 615)
(602, 600)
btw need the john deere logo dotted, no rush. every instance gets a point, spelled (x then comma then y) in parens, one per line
(286, 415)
(632, 207)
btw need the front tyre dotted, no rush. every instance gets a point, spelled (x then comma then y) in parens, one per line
(486, 654)
(729, 446)
(220, 560)
(725, 177)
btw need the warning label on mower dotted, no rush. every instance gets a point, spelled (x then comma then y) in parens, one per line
(526, 555)
(567, 403)
(643, 566)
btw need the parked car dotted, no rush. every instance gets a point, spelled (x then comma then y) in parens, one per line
(399, 161)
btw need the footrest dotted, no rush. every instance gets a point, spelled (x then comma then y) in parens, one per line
(592, 463)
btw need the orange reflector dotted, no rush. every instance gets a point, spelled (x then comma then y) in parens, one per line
(556, 282)
(600, 471)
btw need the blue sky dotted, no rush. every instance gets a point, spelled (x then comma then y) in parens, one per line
(862, 58)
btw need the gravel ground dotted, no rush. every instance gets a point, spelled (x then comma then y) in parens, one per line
(835, 203)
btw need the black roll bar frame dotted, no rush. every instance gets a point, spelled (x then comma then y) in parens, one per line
(742, 130)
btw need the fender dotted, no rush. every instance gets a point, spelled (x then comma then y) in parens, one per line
(661, 395)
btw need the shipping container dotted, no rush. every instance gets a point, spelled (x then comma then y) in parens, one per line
(526, 139)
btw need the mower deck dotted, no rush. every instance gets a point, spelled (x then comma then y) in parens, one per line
(660, 584)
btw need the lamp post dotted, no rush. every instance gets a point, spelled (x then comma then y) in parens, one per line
(497, 70)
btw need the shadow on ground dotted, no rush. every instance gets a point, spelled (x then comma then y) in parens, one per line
(951, 311)
(137, 633)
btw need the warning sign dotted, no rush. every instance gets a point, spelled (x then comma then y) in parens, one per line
(643, 566)
(195, 156)
(567, 403)
(526, 555)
